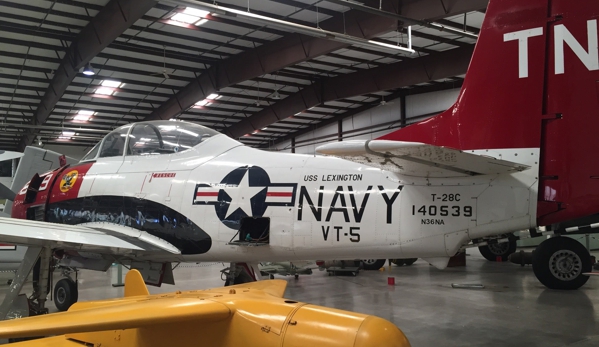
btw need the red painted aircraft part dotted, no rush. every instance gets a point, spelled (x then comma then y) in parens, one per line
(495, 109)
(569, 167)
(64, 184)
(558, 113)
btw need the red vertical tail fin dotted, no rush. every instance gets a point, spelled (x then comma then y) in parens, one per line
(533, 82)
(496, 108)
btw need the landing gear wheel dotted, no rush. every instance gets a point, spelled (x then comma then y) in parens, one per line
(409, 261)
(296, 277)
(402, 262)
(398, 262)
(493, 251)
(559, 262)
(373, 264)
(65, 294)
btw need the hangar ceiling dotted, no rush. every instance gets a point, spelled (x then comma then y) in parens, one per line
(258, 82)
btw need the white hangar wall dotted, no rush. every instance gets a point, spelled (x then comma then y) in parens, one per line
(376, 122)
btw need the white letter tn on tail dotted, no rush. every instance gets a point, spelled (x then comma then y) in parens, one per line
(522, 37)
(590, 59)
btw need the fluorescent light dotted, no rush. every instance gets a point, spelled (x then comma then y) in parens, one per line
(66, 135)
(191, 16)
(204, 102)
(83, 115)
(185, 18)
(213, 96)
(111, 84)
(104, 91)
(264, 128)
(196, 12)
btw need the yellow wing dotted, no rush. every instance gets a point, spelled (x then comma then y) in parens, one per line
(127, 315)
(56, 341)
(271, 287)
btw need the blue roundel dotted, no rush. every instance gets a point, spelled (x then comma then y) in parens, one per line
(242, 184)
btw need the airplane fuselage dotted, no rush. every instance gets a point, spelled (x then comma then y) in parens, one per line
(312, 207)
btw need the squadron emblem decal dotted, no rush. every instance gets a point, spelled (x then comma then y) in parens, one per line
(245, 191)
(68, 181)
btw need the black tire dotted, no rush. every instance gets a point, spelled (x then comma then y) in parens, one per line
(271, 276)
(65, 294)
(373, 264)
(503, 250)
(409, 261)
(297, 277)
(398, 262)
(559, 262)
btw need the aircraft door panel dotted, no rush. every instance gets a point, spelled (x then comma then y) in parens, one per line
(500, 203)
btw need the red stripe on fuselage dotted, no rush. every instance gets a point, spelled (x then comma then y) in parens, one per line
(279, 194)
(207, 194)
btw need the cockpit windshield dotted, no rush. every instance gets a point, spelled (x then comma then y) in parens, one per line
(150, 138)
(166, 137)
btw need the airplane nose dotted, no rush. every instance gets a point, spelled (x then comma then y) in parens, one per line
(375, 331)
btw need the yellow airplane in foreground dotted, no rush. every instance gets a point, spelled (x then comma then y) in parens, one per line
(248, 315)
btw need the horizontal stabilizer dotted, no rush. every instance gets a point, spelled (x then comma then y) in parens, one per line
(419, 159)
(9, 155)
(7, 193)
(128, 315)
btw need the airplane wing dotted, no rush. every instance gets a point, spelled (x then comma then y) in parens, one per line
(126, 315)
(105, 238)
(270, 287)
(419, 159)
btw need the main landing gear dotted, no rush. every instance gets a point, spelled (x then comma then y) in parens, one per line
(373, 264)
(41, 262)
(559, 263)
(499, 251)
(402, 262)
(238, 273)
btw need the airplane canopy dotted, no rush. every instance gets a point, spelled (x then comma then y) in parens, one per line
(150, 138)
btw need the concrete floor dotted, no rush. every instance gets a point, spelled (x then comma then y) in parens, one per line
(514, 309)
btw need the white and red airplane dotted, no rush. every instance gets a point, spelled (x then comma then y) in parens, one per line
(513, 153)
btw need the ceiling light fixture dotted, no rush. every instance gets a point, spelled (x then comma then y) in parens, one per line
(88, 70)
(83, 116)
(216, 10)
(276, 95)
(191, 16)
(66, 135)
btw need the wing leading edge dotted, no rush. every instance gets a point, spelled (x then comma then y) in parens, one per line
(419, 159)
(103, 238)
